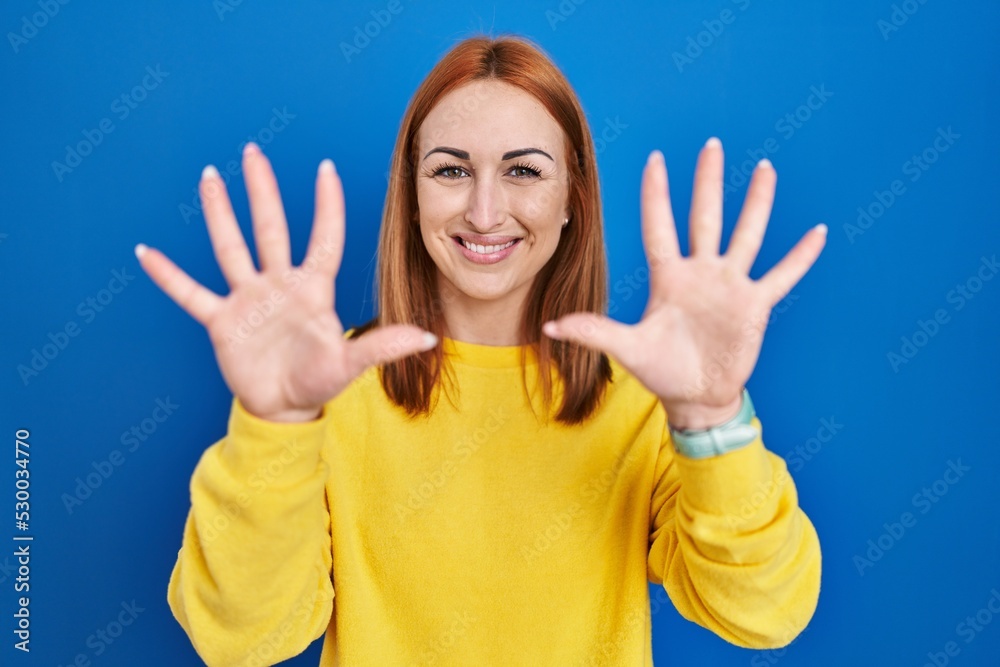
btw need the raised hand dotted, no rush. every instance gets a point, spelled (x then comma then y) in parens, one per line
(700, 335)
(277, 338)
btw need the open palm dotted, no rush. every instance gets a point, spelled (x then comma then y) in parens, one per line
(277, 338)
(701, 333)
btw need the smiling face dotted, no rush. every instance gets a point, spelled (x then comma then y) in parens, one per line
(492, 190)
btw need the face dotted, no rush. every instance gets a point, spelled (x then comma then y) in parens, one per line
(492, 189)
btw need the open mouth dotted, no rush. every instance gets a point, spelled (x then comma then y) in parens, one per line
(485, 249)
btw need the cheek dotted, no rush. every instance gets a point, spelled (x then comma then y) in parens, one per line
(540, 212)
(437, 205)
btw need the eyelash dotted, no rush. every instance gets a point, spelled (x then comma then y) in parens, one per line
(534, 173)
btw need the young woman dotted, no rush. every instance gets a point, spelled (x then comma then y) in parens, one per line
(492, 471)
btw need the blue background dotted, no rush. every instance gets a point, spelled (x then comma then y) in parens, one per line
(888, 93)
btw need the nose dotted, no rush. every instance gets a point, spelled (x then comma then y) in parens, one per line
(487, 207)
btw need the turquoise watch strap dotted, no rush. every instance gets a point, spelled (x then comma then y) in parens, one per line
(733, 434)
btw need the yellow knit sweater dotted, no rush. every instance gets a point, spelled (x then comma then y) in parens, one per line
(484, 533)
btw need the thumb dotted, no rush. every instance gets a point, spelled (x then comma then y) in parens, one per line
(384, 344)
(591, 330)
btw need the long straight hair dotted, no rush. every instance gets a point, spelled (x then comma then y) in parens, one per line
(573, 280)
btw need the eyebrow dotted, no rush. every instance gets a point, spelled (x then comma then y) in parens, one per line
(464, 155)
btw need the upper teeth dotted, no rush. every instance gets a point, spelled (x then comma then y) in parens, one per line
(486, 249)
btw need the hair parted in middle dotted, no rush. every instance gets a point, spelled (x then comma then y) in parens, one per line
(573, 280)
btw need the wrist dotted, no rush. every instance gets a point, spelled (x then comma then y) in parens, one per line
(289, 416)
(720, 438)
(688, 416)
(294, 416)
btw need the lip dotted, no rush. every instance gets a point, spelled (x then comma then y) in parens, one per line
(485, 239)
(486, 258)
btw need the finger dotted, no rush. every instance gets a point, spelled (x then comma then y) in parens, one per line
(197, 301)
(326, 243)
(228, 244)
(706, 201)
(749, 233)
(270, 229)
(659, 232)
(784, 275)
(384, 344)
(593, 331)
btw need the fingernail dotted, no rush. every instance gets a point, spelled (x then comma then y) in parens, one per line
(656, 156)
(821, 228)
(326, 166)
(764, 164)
(209, 172)
(550, 328)
(140, 250)
(713, 142)
(429, 340)
(250, 149)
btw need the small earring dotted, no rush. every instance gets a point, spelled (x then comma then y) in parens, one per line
(565, 222)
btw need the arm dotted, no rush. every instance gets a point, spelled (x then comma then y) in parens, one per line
(253, 575)
(731, 546)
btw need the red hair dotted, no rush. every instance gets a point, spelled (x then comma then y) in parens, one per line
(573, 280)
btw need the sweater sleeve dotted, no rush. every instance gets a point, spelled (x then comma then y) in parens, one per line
(731, 546)
(252, 582)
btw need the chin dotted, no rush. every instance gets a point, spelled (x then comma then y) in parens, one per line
(484, 290)
(480, 286)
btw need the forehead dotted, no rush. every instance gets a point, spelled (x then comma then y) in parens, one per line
(487, 118)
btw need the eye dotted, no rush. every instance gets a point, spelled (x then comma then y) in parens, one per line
(524, 171)
(449, 171)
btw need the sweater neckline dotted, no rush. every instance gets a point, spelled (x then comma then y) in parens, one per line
(487, 356)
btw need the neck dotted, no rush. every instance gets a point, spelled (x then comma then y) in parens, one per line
(493, 322)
